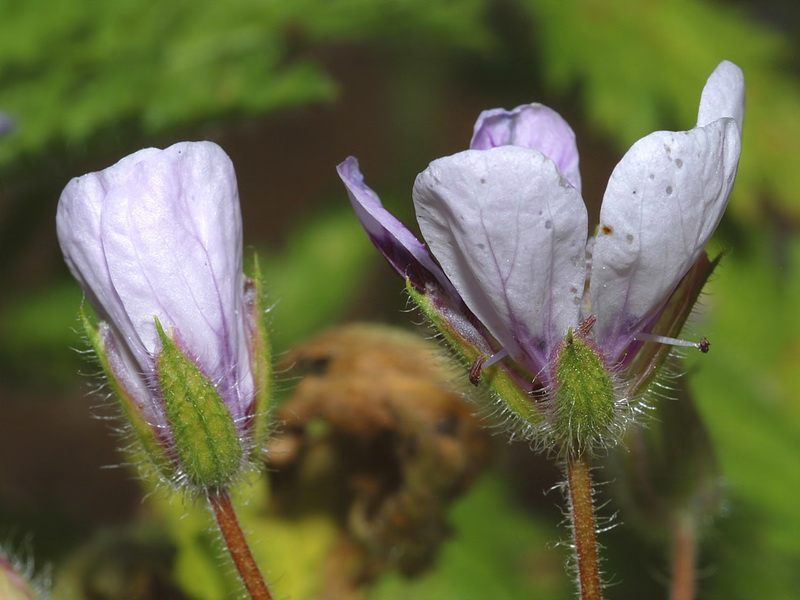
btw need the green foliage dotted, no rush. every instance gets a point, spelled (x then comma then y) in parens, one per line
(747, 388)
(35, 329)
(71, 70)
(640, 66)
(312, 281)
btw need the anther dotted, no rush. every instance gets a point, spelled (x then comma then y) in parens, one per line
(703, 345)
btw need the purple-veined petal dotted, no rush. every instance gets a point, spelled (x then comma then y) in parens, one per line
(407, 255)
(78, 227)
(663, 202)
(138, 386)
(533, 126)
(159, 235)
(171, 233)
(723, 96)
(510, 232)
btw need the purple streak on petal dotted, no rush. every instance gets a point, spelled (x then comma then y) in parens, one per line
(663, 202)
(510, 233)
(533, 126)
(405, 253)
(141, 386)
(174, 233)
(78, 226)
(159, 235)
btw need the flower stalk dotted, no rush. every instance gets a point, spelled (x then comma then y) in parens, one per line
(220, 502)
(684, 551)
(584, 531)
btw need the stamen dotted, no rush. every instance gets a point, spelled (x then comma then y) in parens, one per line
(703, 345)
(476, 370)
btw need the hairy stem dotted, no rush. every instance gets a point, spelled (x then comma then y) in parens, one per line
(684, 549)
(236, 543)
(581, 507)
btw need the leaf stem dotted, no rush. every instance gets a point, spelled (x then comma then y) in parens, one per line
(581, 507)
(684, 549)
(232, 534)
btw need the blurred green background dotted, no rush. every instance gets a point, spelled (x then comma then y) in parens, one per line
(291, 88)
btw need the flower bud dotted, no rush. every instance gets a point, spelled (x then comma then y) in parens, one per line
(156, 242)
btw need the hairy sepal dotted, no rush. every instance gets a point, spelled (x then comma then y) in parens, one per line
(261, 362)
(470, 346)
(205, 438)
(144, 433)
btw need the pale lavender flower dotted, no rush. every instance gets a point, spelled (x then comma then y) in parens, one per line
(506, 228)
(158, 235)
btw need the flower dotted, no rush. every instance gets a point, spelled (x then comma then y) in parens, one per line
(506, 232)
(156, 243)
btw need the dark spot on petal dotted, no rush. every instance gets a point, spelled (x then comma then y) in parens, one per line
(548, 224)
(629, 237)
(678, 163)
(606, 229)
(652, 175)
(669, 190)
(481, 246)
(633, 192)
(483, 179)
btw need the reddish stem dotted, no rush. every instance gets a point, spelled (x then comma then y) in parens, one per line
(236, 543)
(581, 505)
(683, 559)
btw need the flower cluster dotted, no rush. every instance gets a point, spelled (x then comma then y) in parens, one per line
(156, 242)
(509, 277)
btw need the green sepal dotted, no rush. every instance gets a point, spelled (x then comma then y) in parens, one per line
(144, 433)
(583, 396)
(260, 359)
(204, 434)
(497, 378)
(650, 357)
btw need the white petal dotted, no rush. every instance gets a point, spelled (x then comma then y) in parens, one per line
(78, 226)
(723, 95)
(171, 233)
(510, 233)
(663, 202)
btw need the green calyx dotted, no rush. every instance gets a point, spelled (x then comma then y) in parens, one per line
(583, 397)
(260, 359)
(144, 434)
(205, 437)
(498, 380)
